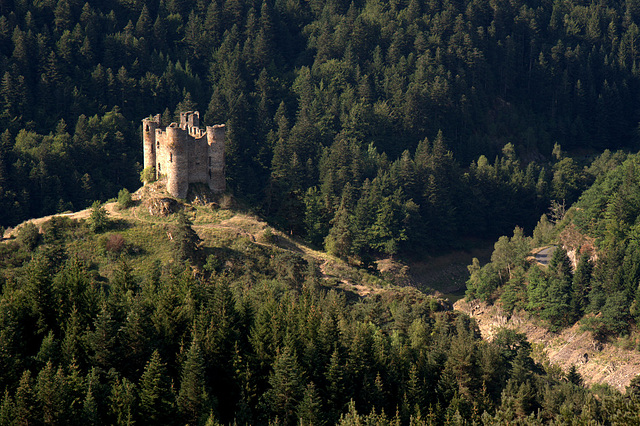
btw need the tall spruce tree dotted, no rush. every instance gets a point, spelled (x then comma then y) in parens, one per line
(193, 399)
(155, 391)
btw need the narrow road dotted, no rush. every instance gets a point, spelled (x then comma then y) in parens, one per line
(544, 256)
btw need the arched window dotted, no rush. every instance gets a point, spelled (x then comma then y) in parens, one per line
(171, 157)
(146, 128)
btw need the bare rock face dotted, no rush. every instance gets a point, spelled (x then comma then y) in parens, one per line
(576, 243)
(597, 363)
(161, 206)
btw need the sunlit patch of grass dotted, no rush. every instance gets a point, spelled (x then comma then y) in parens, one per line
(146, 244)
(141, 213)
(152, 242)
(203, 215)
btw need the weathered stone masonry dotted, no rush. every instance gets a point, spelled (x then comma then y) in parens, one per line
(185, 153)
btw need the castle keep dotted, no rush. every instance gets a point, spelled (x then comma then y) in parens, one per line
(185, 153)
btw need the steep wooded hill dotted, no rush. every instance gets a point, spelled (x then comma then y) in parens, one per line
(334, 109)
(585, 296)
(156, 310)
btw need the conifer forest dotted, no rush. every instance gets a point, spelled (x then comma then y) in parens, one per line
(358, 130)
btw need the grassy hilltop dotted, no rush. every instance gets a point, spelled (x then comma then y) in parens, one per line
(159, 310)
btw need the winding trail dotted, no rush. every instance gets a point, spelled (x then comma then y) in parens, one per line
(238, 225)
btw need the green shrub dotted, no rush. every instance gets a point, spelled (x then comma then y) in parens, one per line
(98, 221)
(269, 237)
(29, 236)
(124, 199)
(213, 264)
(148, 175)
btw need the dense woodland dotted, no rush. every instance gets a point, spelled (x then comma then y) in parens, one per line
(367, 127)
(601, 289)
(255, 336)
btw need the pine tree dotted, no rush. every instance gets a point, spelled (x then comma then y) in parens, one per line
(39, 292)
(186, 240)
(286, 386)
(50, 394)
(310, 408)
(144, 25)
(156, 397)
(340, 238)
(7, 409)
(574, 377)
(557, 306)
(581, 285)
(193, 399)
(122, 403)
(90, 410)
(72, 345)
(29, 236)
(102, 340)
(62, 16)
(315, 218)
(98, 220)
(25, 401)
(135, 336)
(49, 349)
(560, 263)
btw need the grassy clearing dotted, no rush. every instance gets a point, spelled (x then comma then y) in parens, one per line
(204, 215)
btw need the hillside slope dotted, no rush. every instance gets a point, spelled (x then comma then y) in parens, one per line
(218, 317)
(147, 226)
(586, 292)
(597, 362)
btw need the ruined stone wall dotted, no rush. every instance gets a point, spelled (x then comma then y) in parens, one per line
(184, 153)
(189, 119)
(160, 162)
(198, 151)
(149, 126)
(216, 174)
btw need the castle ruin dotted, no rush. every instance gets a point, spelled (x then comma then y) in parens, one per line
(185, 153)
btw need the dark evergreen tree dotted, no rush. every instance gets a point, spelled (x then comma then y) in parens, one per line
(186, 240)
(102, 340)
(193, 399)
(581, 285)
(286, 386)
(122, 402)
(155, 391)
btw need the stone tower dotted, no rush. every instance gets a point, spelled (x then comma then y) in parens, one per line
(149, 126)
(185, 153)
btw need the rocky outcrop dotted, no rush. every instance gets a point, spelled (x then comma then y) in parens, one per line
(161, 206)
(576, 244)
